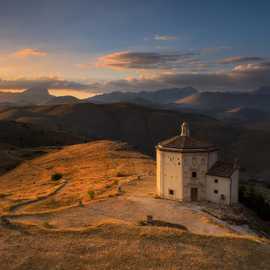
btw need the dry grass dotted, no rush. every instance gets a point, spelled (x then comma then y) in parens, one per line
(122, 246)
(98, 166)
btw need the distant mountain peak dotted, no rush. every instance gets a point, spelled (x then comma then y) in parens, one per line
(35, 95)
(37, 91)
(161, 96)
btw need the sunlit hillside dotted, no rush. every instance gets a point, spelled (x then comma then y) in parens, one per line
(86, 172)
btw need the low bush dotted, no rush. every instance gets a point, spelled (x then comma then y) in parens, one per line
(121, 174)
(255, 201)
(91, 194)
(56, 176)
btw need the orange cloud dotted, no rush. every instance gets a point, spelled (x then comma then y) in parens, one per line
(116, 60)
(27, 52)
(145, 60)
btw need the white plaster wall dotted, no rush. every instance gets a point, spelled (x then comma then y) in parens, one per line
(223, 187)
(170, 169)
(212, 158)
(158, 171)
(235, 187)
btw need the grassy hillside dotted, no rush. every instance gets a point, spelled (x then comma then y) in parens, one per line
(87, 172)
(121, 246)
(81, 220)
(11, 156)
(24, 135)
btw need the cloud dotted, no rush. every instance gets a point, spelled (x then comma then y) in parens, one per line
(241, 78)
(50, 83)
(264, 66)
(160, 70)
(145, 60)
(240, 59)
(165, 37)
(29, 52)
(165, 70)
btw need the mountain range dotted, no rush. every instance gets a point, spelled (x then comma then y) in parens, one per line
(140, 126)
(242, 108)
(173, 98)
(162, 96)
(33, 96)
(258, 99)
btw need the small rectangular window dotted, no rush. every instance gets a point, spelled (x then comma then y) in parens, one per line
(216, 191)
(216, 180)
(194, 174)
(171, 191)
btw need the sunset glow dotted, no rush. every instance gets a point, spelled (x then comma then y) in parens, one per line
(86, 44)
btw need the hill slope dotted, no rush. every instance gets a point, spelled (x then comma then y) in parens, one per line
(162, 96)
(259, 99)
(144, 127)
(28, 135)
(121, 246)
(49, 220)
(97, 167)
(139, 126)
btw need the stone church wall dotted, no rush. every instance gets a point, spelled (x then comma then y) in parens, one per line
(194, 170)
(170, 178)
(218, 189)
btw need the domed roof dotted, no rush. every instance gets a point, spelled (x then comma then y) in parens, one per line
(186, 143)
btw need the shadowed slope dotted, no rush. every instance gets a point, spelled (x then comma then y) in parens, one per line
(144, 127)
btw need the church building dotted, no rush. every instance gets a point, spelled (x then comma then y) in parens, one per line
(190, 170)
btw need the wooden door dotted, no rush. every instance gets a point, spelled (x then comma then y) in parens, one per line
(194, 194)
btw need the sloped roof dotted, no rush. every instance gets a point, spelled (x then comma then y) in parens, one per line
(185, 143)
(222, 169)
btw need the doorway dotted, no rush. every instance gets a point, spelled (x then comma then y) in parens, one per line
(194, 194)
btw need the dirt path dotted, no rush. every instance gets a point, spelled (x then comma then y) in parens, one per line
(18, 206)
(133, 206)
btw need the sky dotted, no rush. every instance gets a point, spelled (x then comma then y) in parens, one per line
(86, 46)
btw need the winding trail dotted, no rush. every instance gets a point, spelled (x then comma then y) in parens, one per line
(15, 207)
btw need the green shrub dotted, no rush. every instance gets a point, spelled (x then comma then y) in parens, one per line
(255, 201)
(56, 176)
(91, 194)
